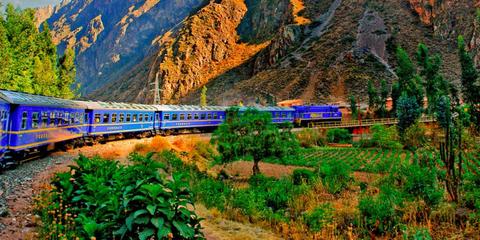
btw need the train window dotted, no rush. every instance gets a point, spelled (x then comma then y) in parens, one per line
(72, 118)
(24, 120)
(182, 116)
(157, 117)
(44, 119)
(97, 118)
(203, 116)
(114, 118)
(174, 116)
(284, 115)
(134, 117)
(129, 117)
(189, 116)
(35, 120)
(85, 118)
(209, 116)
(52, 119)
(195, 116)
(106, 117)
(166, 116)
(215, 116)
(140, 117)
(122, 118)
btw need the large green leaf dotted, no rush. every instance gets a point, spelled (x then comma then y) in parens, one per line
(184, 229)
(157, 222)
(143, 235)
(151, 209)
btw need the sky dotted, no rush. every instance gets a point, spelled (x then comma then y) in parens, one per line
(30, 3)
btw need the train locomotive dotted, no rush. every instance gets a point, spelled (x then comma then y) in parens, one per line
(34, 124)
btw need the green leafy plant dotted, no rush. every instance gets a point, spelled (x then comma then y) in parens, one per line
(103, 199)
(301, 176)
(338, 135)
(335, 175)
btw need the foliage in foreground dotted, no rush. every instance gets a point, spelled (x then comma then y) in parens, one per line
(103, 199)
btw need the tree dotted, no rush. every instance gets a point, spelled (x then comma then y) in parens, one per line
(435, 84)
(382, 109)
(353, 107)
(470, 80)
(251, 133)
(373, 99)
(5, 55)
(408, 79)
(408, 112)
(67, 74)
(203, 97)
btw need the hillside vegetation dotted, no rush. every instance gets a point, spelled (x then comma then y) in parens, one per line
(28, 57)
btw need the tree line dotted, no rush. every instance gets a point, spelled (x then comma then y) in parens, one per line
(28, 57)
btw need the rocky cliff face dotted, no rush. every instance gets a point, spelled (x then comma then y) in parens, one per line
(317, 50)
(110, 37)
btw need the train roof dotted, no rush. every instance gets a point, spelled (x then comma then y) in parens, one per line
(95, 105)
(268, 109)
(37, 100)
(189, 108)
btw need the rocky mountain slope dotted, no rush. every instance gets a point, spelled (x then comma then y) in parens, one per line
(317, 50)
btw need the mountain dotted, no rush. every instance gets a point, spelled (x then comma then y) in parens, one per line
(250, 50)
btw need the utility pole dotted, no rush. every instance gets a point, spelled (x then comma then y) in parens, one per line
(156, 91)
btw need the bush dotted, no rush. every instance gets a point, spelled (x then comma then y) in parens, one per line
(103, 199)
(385, 137)
(378, 213)
(302, 176)
(415, 136)
(420, 183)
(471, 188)
(310, 138)
(338, 135)
(320, 217)
(335, 175)
(212, 193)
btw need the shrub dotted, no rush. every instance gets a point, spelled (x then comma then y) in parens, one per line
(415, 136)
(378, 213)
(212, 193)
(471, 188)
(335, 175)
(320, 217)
(310, 138)
(338, 135)
(302, 176)
(105, 200)
(385, 137)
(420, 183)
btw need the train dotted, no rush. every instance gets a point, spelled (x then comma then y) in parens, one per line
(34, 124)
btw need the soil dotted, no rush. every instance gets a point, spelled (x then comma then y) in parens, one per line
(243, 169)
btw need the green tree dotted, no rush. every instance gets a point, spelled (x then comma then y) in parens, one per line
(373, 99)
(67, 74)
(5, 55)
(382, 108)
(353, 107)
(408, 112)
(408, 79)
(203, 97)
(470, 80)
(251, 133)
(435, 84)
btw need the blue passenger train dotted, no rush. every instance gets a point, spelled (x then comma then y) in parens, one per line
(33, 124)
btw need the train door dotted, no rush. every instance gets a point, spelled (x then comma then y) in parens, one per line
(4, 123)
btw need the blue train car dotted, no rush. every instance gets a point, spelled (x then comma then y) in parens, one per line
(39, 122)
(107, 121)
(177, 118)
(306, 114)
(279, 114)
(4, 123)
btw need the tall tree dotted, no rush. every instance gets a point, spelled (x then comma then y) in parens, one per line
(408, 79)
(470, 80)
(353, 107)
(382, 110)
(5, 55)
(435, 84)
(67, 74)
(373, 99)
(408, 112)
(203, 97)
